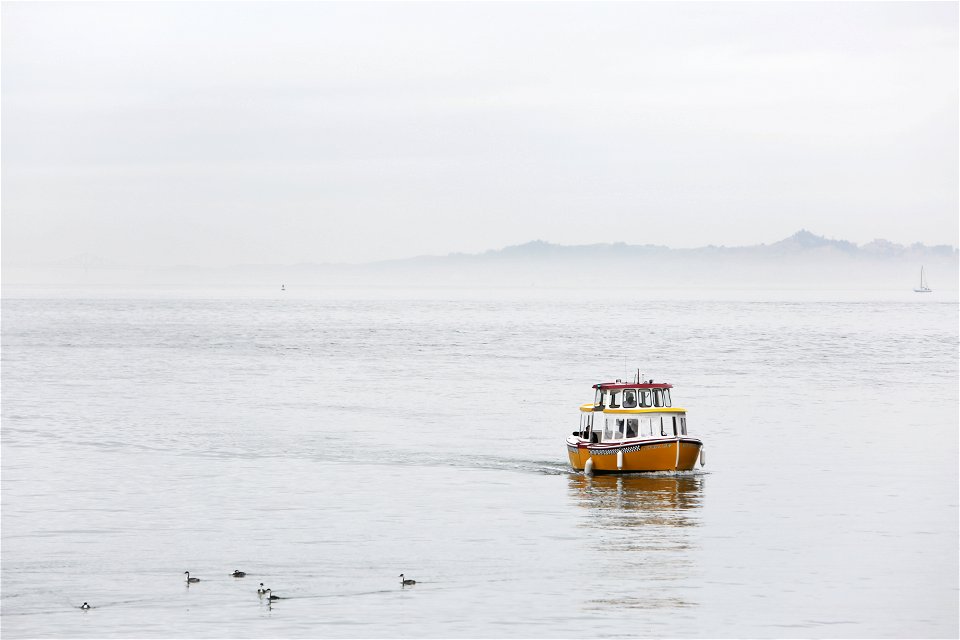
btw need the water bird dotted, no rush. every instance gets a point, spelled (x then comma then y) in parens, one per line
(270, 596)
(189, 579)
(237, 573)
(406, 580)
(84, 606)
(261, 590)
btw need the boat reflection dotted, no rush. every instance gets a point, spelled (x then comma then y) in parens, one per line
(637, 500)
(643, 542)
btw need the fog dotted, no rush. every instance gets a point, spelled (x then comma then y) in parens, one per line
(215, 134)
(802, 262)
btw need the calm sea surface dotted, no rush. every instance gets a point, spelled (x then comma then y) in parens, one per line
(327, 442)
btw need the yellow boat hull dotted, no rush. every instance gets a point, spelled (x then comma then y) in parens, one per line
(674, 454)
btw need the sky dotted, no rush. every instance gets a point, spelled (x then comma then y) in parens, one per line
(221, 133)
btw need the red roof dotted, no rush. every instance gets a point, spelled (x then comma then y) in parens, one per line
(634, 385)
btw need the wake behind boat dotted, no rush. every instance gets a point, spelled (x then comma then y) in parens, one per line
(632, 427)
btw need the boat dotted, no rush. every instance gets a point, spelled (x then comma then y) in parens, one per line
(923, 284)
(633, 427)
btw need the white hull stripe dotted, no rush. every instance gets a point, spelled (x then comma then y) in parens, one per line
(630, 447)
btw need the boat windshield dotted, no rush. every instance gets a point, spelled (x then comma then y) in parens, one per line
(629, 398)
(613, 399)
(645, 398)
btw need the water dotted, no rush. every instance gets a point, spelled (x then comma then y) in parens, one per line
(326, 443)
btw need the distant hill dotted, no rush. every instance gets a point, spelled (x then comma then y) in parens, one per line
(802, 242)
(803, 260)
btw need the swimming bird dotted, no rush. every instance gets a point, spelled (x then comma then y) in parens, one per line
(237, 573)
(189, 579)
(261, 590)
(270, 596)
(406, 581)
(84, 606)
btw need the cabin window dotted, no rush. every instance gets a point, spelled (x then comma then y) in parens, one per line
(629, 398)
(683, 426)
(647, 427)
(674, 425)
(645, 398)
(632, 427)
(598, 398)
(608, 429)
(658, 397)
(663, 427)
(613, 400)
(666, 398)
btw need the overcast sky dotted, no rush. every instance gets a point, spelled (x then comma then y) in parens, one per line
(223, 133)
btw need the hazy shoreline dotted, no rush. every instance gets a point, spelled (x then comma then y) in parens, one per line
(803, 261)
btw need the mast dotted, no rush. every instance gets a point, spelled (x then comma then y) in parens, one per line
(923, 282)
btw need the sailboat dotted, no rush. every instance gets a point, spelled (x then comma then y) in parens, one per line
(923, 284)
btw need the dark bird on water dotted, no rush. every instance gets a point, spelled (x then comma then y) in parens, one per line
(238, 574)
(407, 580)
(261, 590)
(189, 579)
(84, 606)
(270, 596)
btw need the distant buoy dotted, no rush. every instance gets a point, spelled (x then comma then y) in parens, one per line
(588, 468)
(703, 457)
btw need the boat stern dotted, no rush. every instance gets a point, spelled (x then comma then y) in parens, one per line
(575, 452)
